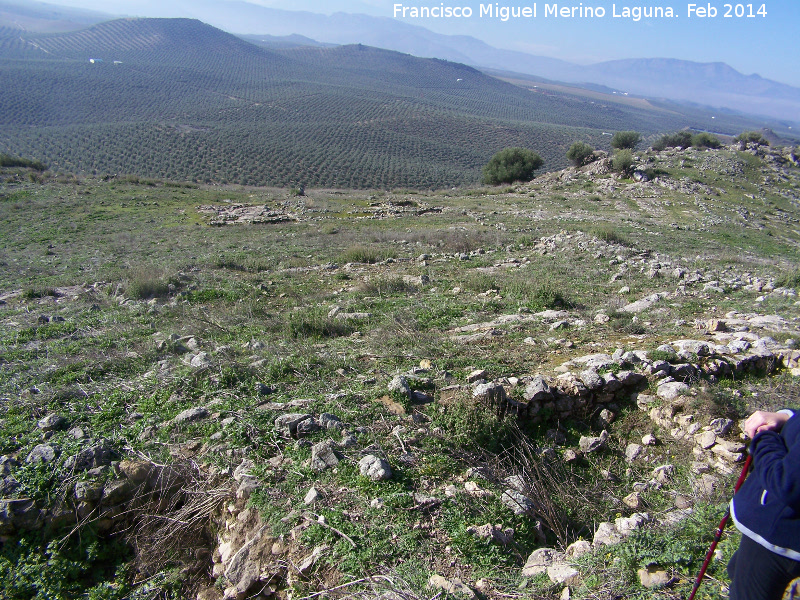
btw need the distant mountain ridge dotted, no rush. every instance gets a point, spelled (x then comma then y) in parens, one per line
(708, 84)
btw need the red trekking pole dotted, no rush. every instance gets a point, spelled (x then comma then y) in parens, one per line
(720, 529)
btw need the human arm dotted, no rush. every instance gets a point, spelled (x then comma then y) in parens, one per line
(776, 462)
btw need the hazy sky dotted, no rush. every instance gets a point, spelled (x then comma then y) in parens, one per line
(766, 45)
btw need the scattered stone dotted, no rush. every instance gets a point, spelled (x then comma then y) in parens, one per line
(589, 444)
(400, 385)
(564, 574)
(607, 535)
(77, 433)
(287, 424)
(454, 586)
(671, 390)
(493, 532)
(473, 489)
(664, 473)
(517, 502)
(243, 470)
(654, 576)
(375, 468)
(323, 455)
(329, 421)
(51, 422)
(311, 496)
(201, 360)
(42, 453)
(632, 452)
(577, 549)
(476, 376)
(539, 560)
(190, 415)
(632, 500)
(649, 440)
(644, 303)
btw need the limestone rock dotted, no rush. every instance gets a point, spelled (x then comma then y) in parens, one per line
(455, 586)
(606, 534)
(671, 390)
(632, 500)
(323, 455)
(632, 452)
(592, 444)
(564, 574)
(538, 390)
(51, 422)
(190, 415)
(539, 560)
(493, 532)
(400, 385)
(654, 576)
(375, 468)
(287, 424)
(577, 549)
(517, 502)
(42, 453)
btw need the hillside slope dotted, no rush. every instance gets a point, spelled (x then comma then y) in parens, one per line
(179, 99)
(369, 389)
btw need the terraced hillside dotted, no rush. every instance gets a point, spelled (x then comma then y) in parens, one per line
(178, 99)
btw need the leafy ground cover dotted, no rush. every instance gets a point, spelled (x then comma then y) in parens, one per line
(109, 287)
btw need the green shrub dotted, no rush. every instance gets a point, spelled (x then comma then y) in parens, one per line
(681, 139)
(510, 165)
(610, 235)
(623, 163)
(580, 153)
(6, 160)
(33, 293)
(145, 287)
(625, 140)
(750, 137)
(363, 254)
(791, 279)
(705, 140)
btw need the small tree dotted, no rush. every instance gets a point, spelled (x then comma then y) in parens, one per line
(510, 165)
(625, 140)
(580, 153)
(623, 162)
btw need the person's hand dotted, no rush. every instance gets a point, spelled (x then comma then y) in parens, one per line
(764, 421)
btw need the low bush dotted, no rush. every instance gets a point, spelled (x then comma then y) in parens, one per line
(363, 254)
(681, 139)
(580, 153)
(750, 137)
(510, 165)
(625, 140)
(6, 160)
(705, 140)
(623, 162)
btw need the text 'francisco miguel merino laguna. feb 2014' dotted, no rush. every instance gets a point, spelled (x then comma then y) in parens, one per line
(533, 11)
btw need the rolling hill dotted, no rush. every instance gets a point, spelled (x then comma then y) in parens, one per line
(179, 99)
